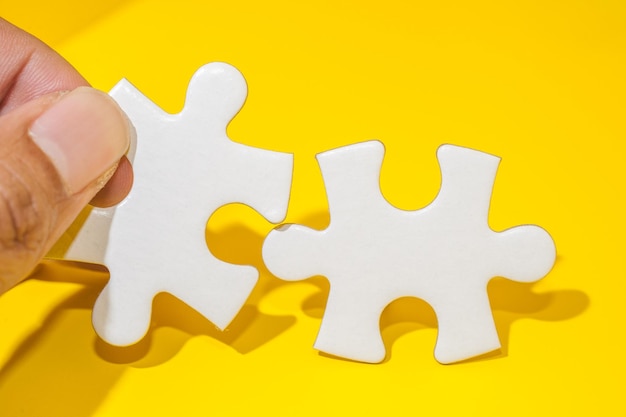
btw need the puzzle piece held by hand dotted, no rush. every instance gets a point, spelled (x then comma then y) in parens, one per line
(185, 168)
(373, 253)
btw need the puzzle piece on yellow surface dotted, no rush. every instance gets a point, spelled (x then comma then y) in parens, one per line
(185, 167)
(373, 253)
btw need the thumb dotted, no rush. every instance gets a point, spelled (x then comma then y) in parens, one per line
(56, 153)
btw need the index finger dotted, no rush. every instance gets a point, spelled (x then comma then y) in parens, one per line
(29, 68)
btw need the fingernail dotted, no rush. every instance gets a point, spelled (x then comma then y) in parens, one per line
(84, 134)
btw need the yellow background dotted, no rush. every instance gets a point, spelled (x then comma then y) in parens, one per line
(539, 83)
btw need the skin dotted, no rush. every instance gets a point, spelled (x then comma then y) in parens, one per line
(35, 205)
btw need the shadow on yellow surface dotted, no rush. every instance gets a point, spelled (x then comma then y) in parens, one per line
(50, 369)
(250, 330)
(510, 301)
(43, 373)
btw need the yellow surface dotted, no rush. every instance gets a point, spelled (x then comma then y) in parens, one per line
(539, 83)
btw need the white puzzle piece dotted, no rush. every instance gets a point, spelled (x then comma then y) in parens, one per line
(185, 168)
(373, 253)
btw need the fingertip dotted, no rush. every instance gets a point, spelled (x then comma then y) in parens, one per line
(117, 187)
(84, 134)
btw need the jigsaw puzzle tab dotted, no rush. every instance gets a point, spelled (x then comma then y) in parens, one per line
(185, 168)
(373, 253)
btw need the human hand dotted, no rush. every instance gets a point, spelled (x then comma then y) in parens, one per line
(61, 146)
